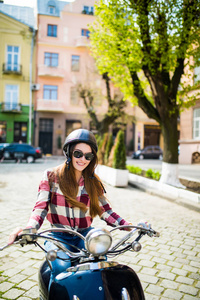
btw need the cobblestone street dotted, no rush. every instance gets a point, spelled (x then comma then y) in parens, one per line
(168, 266)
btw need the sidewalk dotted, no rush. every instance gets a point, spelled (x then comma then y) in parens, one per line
(180, 196)
(168, 266)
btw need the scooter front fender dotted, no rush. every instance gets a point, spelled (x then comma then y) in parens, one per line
(100, 284)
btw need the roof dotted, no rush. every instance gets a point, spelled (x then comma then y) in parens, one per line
(43, 7)
(23, 14)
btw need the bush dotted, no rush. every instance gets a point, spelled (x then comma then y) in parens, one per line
(119, 152)
(153, 174)
(109, 146)
(149, 173)
(134, 170)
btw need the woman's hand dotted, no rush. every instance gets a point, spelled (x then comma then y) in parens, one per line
(14, 234)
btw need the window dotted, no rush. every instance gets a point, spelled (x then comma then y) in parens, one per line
(88, 10)
(75, 62)
(2, 131)
(51, 59)
(72, 125)
(50, 92)
(11, 97)
(12, 58)
(20, 132)
(196, 123)
(52, 9)
(52, 30)
(197, 73)
(74, 96)
(46, 125)
(85, 32)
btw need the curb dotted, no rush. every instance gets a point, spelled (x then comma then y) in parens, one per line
(180, 196)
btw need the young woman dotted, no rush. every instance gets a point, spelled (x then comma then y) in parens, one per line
(71, 195)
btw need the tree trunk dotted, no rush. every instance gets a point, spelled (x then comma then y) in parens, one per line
(170, 156)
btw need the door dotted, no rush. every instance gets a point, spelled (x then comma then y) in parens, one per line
(20, 132)
(46, 135)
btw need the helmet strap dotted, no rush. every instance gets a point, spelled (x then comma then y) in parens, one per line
(68, 162)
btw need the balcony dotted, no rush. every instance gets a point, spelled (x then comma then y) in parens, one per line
(82, 41)
(50, 105)
(9, 107)
(56, 72)
(12, 69)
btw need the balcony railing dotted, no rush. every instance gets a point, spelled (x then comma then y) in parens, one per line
(12, 69)
(50, 105)
(11, 107)
(44, 70)
(82, 41)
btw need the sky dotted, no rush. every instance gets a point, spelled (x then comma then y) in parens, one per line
(30, 3)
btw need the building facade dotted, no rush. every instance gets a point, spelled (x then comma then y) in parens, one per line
(63, 62)
(190, 135)
(17, 45)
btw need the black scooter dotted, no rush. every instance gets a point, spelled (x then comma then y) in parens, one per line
(92, 274)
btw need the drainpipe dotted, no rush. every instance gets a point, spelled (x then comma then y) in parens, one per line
(30, 86)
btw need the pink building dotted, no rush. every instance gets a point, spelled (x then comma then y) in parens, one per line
(63, 62)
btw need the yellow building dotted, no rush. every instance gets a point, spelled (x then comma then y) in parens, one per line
(16, 78)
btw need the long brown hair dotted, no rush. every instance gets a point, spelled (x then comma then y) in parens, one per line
(68, 185)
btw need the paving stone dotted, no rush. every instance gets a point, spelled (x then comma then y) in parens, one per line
(169, 284)
(188, 289)
(149, 271)
(148, 278)
(18, 278)
(185, 280)
(151, 297)
(154, 289)
(179, 271)
(172, 294)
(188, 297)
(24, 298)
(163, 267)
(146, 263)
(166, 275)
(4, 286)
(26, 284)
(33, 293)
(174, 264)
(13, 294)
(190, 268)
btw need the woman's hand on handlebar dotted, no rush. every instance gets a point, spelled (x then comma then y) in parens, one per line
(14, 235)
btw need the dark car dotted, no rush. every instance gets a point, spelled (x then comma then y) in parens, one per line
(19, 152)
(150, 152)
(2, 145)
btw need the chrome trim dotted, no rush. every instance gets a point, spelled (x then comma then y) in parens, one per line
(92, 266)
(125, 294)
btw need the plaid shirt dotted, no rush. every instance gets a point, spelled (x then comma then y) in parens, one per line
(61, 214)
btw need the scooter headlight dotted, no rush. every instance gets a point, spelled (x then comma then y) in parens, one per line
(98, 241)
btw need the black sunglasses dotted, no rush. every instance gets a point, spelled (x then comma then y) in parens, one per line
(79, 154)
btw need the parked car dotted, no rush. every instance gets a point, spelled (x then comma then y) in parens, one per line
(19, 152)
(2, 145)
(150, 152)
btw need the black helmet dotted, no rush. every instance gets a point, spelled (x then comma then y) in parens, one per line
(79, 136)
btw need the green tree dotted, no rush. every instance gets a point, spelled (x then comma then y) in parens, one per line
(119, 152)
(145, 47)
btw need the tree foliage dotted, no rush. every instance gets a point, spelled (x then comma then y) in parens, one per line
(119, 152)
(146, 46)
